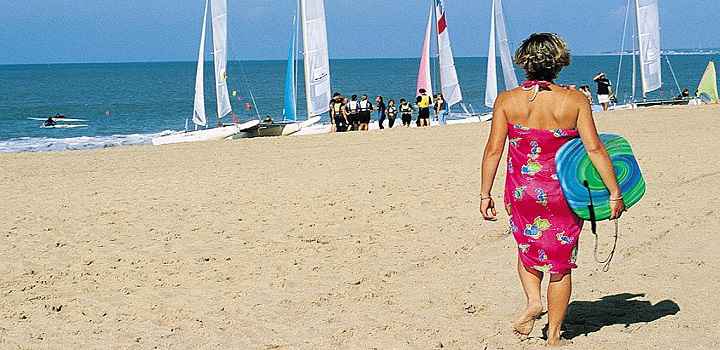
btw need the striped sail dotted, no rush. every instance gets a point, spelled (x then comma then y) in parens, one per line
(424, 79)
(648, 21)
(219, 25)
(448, 74)
(199, 117)
(316, 60)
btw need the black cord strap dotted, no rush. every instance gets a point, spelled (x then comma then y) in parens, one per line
(593, 228)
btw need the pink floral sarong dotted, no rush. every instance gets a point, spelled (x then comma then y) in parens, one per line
(541, 221)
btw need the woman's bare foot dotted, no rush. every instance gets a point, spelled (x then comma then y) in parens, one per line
(523, 326)
(559, 342)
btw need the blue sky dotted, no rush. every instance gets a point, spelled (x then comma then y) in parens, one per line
(45, 31)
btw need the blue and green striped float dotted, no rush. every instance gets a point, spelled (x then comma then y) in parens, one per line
(574, 168)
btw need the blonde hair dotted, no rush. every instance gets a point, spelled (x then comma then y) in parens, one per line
(543, 56)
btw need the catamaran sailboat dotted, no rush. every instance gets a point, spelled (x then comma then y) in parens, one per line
(649, 50)
(498, 40)
(449, 83)
(317, 72)
(219, 32)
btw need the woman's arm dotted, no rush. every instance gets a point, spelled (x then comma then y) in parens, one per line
(599, 157)
(491, 158)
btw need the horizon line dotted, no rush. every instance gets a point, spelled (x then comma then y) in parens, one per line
(300, 59)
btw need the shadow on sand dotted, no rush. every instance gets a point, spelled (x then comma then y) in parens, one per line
(585, 317)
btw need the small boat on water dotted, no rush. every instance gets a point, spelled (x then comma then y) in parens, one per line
(224, 108)
(64, 126)
(60, 119)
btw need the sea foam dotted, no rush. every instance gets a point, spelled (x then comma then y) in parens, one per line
(46, 144)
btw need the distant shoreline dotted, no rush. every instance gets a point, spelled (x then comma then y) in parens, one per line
(711, 52)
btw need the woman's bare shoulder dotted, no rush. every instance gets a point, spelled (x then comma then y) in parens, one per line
(575, 96)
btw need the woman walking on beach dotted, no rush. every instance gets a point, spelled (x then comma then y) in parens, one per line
(537, 119)
(381, 111)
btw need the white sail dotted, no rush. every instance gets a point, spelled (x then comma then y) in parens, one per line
(648, 21)
(491, 88)
(219, 25)
(424, 79)
(504, 46)
(199, 117)
(448, 75)
(316, 58)
(499, 38)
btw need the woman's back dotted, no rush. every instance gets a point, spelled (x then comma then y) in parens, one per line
(552, 108)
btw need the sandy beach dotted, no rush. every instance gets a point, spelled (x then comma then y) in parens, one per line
(341, 241)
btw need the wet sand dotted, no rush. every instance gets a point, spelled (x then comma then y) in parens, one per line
(342, 241)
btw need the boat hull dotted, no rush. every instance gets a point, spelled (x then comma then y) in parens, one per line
(204, 135)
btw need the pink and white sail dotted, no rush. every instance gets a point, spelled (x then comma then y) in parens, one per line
(424, 79)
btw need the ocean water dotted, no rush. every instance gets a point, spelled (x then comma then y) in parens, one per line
(129, 103)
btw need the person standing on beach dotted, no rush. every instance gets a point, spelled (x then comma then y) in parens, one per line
(537, 119)
(405, 112)
(338, 114)
(424, 101)
(381, 109)
(603, 90)
(353, 110)
(391, 113)
(441, 109)
(365, 113)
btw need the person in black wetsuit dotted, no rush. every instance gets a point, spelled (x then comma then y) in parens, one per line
(365, 113)
(391, 113)
(353, 110)
(381, 109)
(338, 114)
(406, 112)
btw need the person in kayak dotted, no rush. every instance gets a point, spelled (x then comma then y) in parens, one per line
(50, 122)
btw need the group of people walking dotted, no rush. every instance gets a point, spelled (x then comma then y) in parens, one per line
(355, 114)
